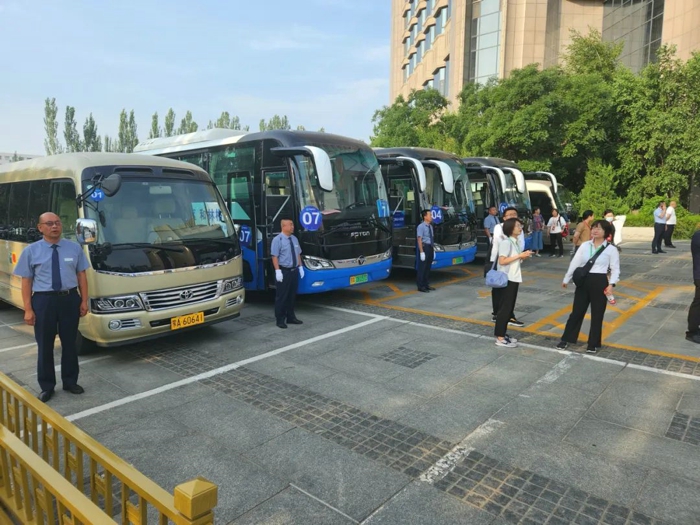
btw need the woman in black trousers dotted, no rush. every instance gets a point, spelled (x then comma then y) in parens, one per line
(595, 287)
(509, 259)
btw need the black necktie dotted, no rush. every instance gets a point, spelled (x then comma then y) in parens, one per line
(55, 270)
(294, 258)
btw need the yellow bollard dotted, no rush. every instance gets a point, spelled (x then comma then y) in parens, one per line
(195, 500)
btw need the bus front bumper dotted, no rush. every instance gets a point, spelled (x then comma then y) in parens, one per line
(317, 281)
(444, 259)
(130, 327)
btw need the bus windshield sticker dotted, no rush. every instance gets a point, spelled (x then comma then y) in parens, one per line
(382, 208)
(97, 195)
(310, 218)
(436, 212)
(399, 219)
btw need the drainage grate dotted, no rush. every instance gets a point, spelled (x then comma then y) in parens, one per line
(684, 428)
(406, 357)
(520, 496)
(256, 320)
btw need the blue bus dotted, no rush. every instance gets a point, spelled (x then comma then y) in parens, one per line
(331, 186)
(427, 179)
(501, 183)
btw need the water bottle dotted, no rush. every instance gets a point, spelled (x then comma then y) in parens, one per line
(611, 298)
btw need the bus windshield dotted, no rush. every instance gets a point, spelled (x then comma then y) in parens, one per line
(463, 189)
(358, 188)
(159, 224)
(513, 196)
(455, 205)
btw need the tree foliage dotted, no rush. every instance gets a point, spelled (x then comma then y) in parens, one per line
(91, 140)
(187, 124)
(169, 126)
(275, 122)
(51, 143)
(70, 131)
(155, 131)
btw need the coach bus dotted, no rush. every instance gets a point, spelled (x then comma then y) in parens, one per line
(331, 186)
(427, 179)
(501, 183)
(543, 189)
(164, 255)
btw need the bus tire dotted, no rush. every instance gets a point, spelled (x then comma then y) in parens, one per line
(84, 345)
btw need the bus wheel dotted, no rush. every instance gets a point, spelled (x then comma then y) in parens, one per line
(84, 345)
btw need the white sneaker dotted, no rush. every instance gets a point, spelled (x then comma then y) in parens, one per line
(506, 343)
(511, 339)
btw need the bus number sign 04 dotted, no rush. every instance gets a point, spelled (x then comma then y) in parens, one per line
(436, 212)
(310, 218)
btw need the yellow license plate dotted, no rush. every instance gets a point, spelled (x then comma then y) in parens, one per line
(357, 279)
(457, 260)
(185, 321)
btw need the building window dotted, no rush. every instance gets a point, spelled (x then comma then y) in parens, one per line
(429, 7)
(429, 38)
(439, 25)
(639, 25)
(421, 19)
(440, 79)
(428, 84)
(419, 54)
(485, 41)
(405, 73)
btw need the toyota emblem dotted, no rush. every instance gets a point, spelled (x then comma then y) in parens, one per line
(186, 295)
(361, 260)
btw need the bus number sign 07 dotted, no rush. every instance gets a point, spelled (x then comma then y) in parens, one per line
(311, 218)
(244, 235)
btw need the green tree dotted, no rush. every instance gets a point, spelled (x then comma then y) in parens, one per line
(15, 158)
(322, 130)
(276, 122)
(415, 121)
(124, 135)
(187, 124)
(301, 128)
(133, 136)
(155, 131)
(70, 131)
(590, 54)
(51, 143)
(169, 126)
(598, 193)
(108, 145)
(91, 140)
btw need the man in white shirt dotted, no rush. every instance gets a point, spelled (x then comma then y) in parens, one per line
(659, 227)
(670, 225)
(496, 238)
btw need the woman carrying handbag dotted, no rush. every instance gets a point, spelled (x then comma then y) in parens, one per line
(589, 270)
(509, 259)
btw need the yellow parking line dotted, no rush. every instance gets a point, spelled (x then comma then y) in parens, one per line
(394, 288)
(624, 317)
(551, 318)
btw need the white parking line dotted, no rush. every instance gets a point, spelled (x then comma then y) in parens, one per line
(20, 347)
(218, 371)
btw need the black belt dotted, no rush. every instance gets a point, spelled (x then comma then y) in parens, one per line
(60, 292)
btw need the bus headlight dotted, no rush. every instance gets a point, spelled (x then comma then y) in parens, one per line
(439, 248)
(122, 303)
(316, 263)
(231, 285)
(387, 254)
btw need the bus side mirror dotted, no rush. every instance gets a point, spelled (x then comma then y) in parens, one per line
(86, 231)
(110, 186)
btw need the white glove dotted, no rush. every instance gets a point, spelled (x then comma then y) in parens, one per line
(278, 275)
(422, 256)
(301, 272)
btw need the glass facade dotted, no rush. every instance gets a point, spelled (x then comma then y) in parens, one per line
(485, 40)
(638, 24)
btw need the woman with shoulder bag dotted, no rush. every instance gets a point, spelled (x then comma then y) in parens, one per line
(556, 227)
(509, 259)
(589, 269)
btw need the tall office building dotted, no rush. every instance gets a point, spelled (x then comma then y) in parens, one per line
(445, 44)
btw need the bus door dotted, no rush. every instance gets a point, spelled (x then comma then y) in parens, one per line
(278, 203)
(404, 202)
(240, 201)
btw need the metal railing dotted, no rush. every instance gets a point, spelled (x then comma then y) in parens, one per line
(34, 439)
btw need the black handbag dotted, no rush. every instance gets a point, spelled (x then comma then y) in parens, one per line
(581, 272)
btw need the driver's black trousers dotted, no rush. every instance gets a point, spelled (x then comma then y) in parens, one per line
(286, 295)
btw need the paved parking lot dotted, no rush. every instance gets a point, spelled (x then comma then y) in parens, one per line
(393, 407)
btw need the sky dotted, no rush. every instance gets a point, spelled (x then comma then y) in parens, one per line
(323, 63)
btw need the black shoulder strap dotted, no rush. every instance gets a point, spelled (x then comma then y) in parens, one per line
(597, 254)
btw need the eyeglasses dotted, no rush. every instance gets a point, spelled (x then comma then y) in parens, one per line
(51, 224)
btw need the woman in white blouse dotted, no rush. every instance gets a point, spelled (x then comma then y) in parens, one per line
(555, 226)
(595, 288)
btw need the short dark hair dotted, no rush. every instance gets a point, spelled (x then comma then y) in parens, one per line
(660, 203)
(509, 226)
(492, 208)
(509, 208)
(586, 214)
(555, 210)
(424, 213)
(537, 208)
(608, 211)
(605, 225)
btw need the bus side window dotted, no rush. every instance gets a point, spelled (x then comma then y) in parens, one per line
(278, 198)
(63, 204)
(4, 208)
(38, 204)
(17, 216)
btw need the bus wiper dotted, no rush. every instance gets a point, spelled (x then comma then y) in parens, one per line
(342, 227)
(373, 220)
(147, 245)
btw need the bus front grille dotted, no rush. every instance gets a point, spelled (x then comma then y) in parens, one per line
(174, 297)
